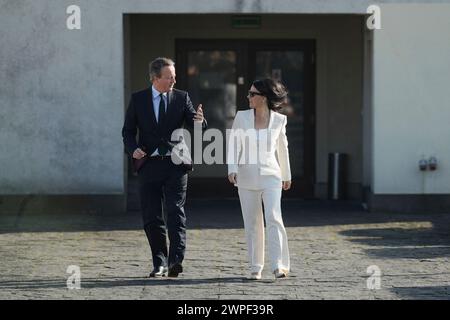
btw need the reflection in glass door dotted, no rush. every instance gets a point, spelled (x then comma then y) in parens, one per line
(211, 81)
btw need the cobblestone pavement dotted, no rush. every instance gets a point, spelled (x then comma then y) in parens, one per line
(331, 245)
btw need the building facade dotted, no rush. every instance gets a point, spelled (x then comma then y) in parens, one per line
(378, 96)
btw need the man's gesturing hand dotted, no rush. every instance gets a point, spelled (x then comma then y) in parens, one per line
(199, 115)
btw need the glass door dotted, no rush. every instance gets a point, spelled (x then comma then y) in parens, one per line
(292, 63)
(218, 73)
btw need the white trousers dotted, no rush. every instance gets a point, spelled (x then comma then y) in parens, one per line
(252, 212)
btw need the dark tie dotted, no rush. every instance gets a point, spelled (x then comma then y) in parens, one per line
(162, 149)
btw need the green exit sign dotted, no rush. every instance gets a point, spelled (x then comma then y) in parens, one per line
(246, 22)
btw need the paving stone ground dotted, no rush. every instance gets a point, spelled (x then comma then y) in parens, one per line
(331, 244)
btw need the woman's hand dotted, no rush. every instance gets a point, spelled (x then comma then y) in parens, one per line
(286, 185)
(232, 178)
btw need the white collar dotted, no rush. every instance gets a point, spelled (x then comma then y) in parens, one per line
(156, 93)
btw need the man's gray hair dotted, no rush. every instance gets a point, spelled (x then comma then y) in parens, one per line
(157, 65)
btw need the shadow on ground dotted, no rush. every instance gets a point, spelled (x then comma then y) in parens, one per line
(423, 293)
(212, 214)
(406, 243)
(99, 283)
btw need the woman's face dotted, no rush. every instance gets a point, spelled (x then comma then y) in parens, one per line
(255, 98)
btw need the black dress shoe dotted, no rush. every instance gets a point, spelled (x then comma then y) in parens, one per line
(158, 272)
(175, 269)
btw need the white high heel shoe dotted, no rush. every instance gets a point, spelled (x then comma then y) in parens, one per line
(280, 273)
(255, 275)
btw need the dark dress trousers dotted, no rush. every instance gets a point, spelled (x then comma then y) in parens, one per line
(159, 178)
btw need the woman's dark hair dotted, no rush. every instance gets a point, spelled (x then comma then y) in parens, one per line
(274, 91)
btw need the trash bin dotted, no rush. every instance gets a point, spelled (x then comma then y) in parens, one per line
(337, 176)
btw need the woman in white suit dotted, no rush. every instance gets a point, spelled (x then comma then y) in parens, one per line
(257, 139)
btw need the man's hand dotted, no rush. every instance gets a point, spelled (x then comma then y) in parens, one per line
(286, 185)
(232, 178)
(139, 154)
(199, 115)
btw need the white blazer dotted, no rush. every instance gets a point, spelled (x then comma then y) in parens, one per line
(269, 161)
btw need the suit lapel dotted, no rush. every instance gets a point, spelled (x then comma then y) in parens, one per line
(150, 111)
(170, 108)
(251, 119)
(271, 119)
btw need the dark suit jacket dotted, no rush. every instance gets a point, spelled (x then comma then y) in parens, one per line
(140, 115)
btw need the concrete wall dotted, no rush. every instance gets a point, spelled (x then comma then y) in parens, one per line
(339, 68)
(62, 92)
(411, 105)
(367, 112)
(61, 98)
(339, 122)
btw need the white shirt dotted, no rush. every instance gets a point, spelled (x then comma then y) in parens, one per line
(156, 101)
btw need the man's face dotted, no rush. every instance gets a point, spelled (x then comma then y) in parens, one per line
(167, 80)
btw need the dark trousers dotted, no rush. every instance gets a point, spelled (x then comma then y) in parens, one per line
(161, 181)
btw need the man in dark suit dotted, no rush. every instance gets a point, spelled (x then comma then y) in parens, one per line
(157, 112)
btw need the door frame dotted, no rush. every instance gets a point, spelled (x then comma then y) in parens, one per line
(303, 187)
